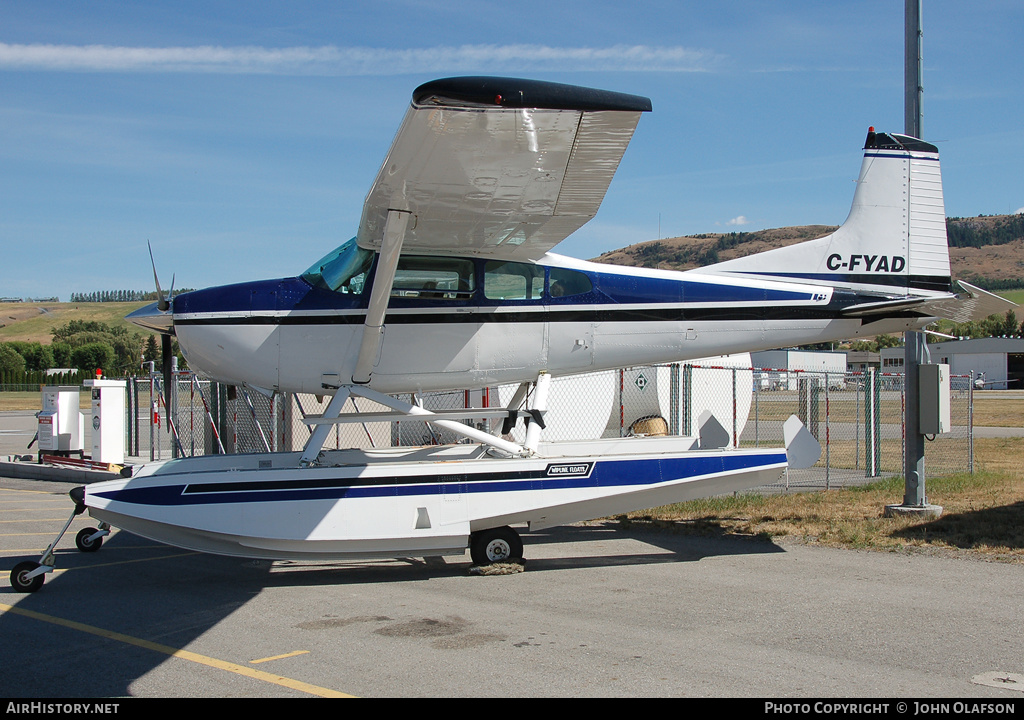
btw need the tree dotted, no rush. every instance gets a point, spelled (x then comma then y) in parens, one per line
(151, 353)
(992, 326)
(87, 358)
(125, 346)
(61, 354)
(37, 356)
(1009, 324)
(11, 362)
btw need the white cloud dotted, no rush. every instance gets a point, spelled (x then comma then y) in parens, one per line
(1019, 211)
(739, 220)
(333, 60)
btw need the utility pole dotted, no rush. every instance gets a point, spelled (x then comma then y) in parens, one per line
(915, 499)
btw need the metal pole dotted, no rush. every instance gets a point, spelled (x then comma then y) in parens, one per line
(912, 88)
(828, 447)
(913, 467)
(914, 496)
(970, 423)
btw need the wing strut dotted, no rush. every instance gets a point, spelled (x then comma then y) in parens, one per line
(373, 329)
(319, 435)
(443, 418)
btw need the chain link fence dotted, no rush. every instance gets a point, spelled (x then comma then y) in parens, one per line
(857, 418)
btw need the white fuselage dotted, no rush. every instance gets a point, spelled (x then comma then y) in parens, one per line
(435, 346)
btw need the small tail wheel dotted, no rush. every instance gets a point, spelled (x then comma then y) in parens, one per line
(83, 542)
(20, 580)
(495, 545)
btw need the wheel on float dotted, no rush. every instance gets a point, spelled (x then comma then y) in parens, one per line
(20, 580)
(495, 545)
(83, 542)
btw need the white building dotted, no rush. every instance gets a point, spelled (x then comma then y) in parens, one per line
(997, 361)
(790, 364)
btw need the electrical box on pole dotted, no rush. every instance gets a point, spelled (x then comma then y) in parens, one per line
(933, 399)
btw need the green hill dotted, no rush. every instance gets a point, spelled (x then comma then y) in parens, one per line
(33, 322)
(987, 251)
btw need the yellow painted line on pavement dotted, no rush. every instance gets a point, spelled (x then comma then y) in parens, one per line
(31, 492)
(179, 653)
(37, 519)
(278, 657)
(91, 565)
(14, 535)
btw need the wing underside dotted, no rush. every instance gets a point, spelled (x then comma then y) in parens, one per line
(499, 167)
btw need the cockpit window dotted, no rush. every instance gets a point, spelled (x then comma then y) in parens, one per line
(343, 270)
(438, 278)
(568, 282)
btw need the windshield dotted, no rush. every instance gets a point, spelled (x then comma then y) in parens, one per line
(343, 270)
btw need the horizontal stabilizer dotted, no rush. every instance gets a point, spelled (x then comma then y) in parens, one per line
(972, 304)
(883, 307)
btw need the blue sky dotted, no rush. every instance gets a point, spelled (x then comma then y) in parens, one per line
(240, 138)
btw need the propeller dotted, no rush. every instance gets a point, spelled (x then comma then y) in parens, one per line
(164, 304)
(166, 349)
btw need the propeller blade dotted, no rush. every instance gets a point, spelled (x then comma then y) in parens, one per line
(162, 302)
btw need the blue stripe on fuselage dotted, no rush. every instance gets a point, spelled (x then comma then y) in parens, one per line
(296, 295)
(606, 473)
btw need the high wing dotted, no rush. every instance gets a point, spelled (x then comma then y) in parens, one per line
(499, 167)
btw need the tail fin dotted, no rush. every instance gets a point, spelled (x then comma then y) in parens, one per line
(894, 240)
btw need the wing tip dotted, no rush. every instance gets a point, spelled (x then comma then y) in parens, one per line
(515, 93)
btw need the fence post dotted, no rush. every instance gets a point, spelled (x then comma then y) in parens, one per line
(152, 415)
(856, 425)
(828, 457)
(622, 410)
(808, 398)
(970, 424)
(285, 426)
(872, 424)
(735, 440)
(755, 380)
(171, 394)
(687, 400)
(674, 400)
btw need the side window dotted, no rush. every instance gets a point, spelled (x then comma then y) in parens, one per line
(569, 282)
(443, 278)
(513, 281)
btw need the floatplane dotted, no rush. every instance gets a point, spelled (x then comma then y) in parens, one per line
(451, 283)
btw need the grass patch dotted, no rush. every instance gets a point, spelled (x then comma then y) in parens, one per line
(33, 400)
(996, 411)
(983, 517)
